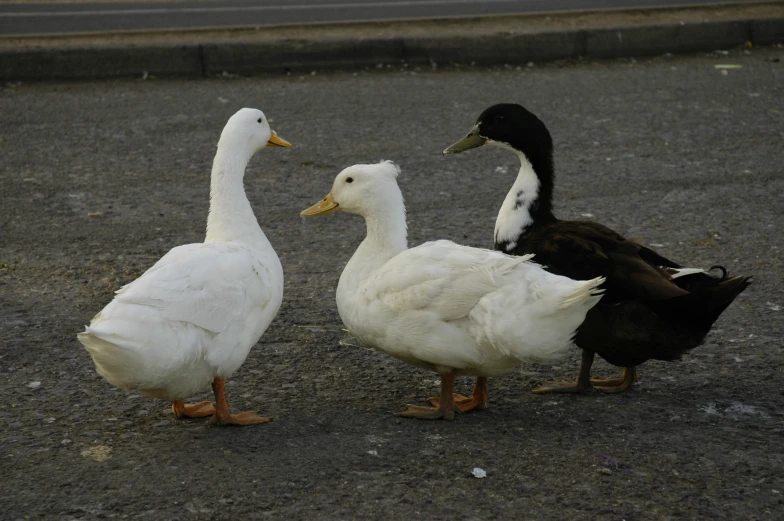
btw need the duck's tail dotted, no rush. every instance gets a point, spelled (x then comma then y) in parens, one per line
(708, 296)
(720, 296)
(587, 292)
(111, 361)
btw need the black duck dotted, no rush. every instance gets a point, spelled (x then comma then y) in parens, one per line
(653, 308)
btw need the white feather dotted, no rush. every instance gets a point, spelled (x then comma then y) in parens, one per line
(683, 272)
(513, 217)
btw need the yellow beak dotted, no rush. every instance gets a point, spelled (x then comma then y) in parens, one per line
(326, 205)
(277, 141)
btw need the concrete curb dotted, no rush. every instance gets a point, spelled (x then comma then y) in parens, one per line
(278, 56)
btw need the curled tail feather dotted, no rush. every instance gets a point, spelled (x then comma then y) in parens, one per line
(586, 290)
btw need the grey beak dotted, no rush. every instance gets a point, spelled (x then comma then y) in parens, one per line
(472, 140)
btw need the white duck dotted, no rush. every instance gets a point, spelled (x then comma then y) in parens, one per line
(452, 309)
(192, 318)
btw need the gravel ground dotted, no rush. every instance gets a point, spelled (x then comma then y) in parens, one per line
(99, 180)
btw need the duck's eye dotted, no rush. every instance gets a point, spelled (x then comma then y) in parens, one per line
(349, 179)
(259, 120)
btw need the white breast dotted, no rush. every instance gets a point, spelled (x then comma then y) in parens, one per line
(514, 217)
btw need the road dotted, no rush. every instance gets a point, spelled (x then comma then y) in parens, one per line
(100, 179)
(68, 17)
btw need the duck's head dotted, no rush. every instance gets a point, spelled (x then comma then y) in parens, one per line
(361, 189)
(248, 130)
(508, 125)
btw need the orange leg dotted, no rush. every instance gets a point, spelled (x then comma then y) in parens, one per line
(192, 410)
(478, 399)
(616, 385)
(222, 415)
(581, 385)
(446, 407)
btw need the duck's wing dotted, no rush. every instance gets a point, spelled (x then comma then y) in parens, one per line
(586, 250)
(208, 286)
(199, 303)
(440, 277)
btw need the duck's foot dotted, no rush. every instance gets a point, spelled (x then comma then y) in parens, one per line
(240, 418)
(423, 412)
(563, 387)
(581, 385)
(616, 385)
(610, 382)
(192, 410)
(222, 416)
(446, 408)
(478, 399)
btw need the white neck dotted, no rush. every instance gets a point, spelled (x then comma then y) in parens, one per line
(231, 217)
(386, 237)
(514, 217)
(387, 232)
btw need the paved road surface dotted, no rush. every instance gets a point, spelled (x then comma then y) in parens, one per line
(100, 179)
(42, 18)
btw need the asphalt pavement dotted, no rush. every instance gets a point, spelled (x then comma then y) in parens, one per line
(40, 18)
(98, 180)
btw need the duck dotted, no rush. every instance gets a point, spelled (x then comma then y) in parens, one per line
(443, 307)
(191, 319)
(653, 308)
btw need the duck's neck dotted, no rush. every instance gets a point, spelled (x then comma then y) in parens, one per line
(231, 217)
(386, 232)
(386, 237)
(528, 202)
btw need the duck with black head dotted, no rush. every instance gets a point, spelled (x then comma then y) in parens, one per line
(653, 308)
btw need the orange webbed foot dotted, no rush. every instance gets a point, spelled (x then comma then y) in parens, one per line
(463, 403)
(222, 415)
(563, 387)
(429, 413)
(449, 403)
(183, 410)
(240, 418)
(478, 399)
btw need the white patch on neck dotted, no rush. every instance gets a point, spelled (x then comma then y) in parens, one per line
(514, 217)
